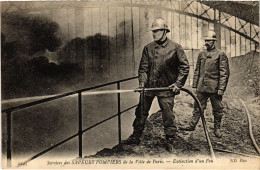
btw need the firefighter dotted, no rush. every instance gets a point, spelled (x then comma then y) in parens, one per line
(210, 81)
(163, 64)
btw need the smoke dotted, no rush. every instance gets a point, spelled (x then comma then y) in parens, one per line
(79, 48)
(29, 71)
(98, 47)
(29, 34)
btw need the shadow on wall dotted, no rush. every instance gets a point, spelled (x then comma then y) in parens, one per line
(26, 71)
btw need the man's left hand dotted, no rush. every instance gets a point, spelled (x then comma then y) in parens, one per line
(175, 89)
(220, 92)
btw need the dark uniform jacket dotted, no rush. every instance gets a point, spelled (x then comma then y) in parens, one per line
(162, 65)
(212, 71)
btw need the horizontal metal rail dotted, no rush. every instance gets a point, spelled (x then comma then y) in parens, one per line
(61, 96)
(80, 131)
(73, 136)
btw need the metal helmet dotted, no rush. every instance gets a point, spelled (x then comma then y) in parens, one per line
(211, 36)
(159, 24)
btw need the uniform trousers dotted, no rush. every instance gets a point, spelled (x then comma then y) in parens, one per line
(166, 104)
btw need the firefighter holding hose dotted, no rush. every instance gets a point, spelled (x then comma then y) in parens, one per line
(210, 81)
(163, 64)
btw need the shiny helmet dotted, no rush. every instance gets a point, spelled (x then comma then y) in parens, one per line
(211, 36)
(159, 24)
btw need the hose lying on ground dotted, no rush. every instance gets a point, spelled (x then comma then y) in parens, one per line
(250, 128)
(250, 133)
(236, 153)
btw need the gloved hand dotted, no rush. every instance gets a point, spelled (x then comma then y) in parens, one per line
(141, 86)
(220, 92)
(175, 89)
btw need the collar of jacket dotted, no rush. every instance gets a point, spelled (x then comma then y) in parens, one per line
(164, 44)
(213, 49)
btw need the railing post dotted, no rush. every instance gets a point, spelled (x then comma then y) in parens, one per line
(9, 142)
(119, 113)
(80, 124)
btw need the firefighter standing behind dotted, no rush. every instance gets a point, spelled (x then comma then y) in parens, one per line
(210, 81)
(163, 64)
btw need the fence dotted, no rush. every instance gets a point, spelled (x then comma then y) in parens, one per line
(9, 112)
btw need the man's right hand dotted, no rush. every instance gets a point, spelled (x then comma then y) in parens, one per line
(141, 85)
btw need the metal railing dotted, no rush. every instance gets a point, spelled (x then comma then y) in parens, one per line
(9, 112)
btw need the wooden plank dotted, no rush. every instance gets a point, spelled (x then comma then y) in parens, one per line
(182, 31)
(228, 45)
(71, 30)
(129, 52)
(176, 24)
(188, 32)
(88, 44)
(169, 23)
(201, 34)
(172, 22)
(237, 45)
(142, 28)
(223, 40)
(233, 47)
(79, 22)
(79, 52)
(120, 44)
(247, 46)
(137, 49)
(194, 33)
(157, 13)
(147, 33)
(63, 24)
(54, 16)
(96, 43)
(242, 45)
(71, 23)
(105, 62)
(96, 28)
(165, 15)
(112, 42)
(151, 20)
(108, 45)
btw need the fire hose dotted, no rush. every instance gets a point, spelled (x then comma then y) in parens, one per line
(143, 90)
(200, 110)
(250, 128)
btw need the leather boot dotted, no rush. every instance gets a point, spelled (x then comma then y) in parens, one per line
(192, 124)
(133, 139)
(217, 124)
(169, 142)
